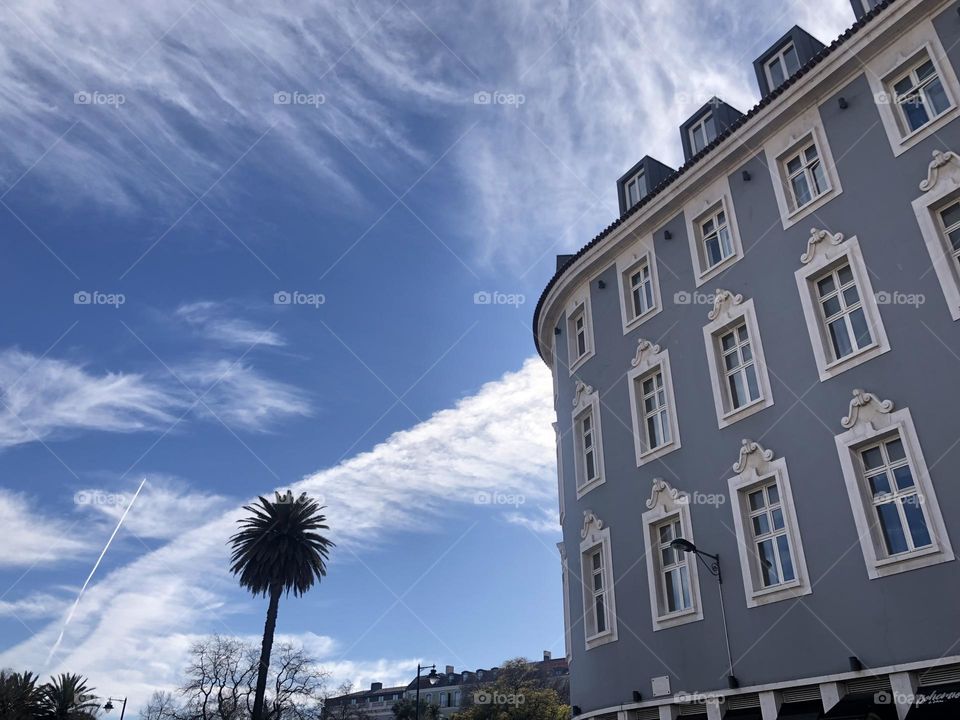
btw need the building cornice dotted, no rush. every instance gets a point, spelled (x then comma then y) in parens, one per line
(830, 69)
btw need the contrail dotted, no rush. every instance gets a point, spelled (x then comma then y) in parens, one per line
(90, 576)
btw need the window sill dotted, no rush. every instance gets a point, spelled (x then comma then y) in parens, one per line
(579, 362)
(777, 593)
(796, 215)
(836, 367)
(664, 622)
(641, 319)
(650, 455)
(905, 562)
(733, 416)
(600, 639)
(711, 272)
(921, 133)
(584, 489)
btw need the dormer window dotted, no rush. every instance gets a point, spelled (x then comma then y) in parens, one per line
(635, 188)
(702, 133)
(782, 65)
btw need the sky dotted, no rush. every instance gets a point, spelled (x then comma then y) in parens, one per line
(253, 246)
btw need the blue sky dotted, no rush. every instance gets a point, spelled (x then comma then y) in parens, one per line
(183, 165)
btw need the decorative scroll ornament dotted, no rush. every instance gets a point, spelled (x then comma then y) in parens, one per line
(591, 523)
(933, 169)
(817, 237)
(750, 450)
(582, 389)
(864, 407)
(663, 494)
(644, 347)
(723, 300)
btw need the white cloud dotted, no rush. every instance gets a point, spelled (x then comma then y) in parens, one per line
(40, 605)
(135, 623)
(214, 321)
(43, 396)
(31, 536)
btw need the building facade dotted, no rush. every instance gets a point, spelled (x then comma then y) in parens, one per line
(373, 704)
(759, 359)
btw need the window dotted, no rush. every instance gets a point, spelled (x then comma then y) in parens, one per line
(839, 305)
(891, 493)
(637, 278)
(587, 439)
(579, 324)
(801, 167)
(715, 237)
(655, 431)
(950, 226)
(806, 178)
(771, 555)
(702, 133)
(674, 570)
(558, 436)
(919, 96)
(938, 214)
(565, 582)
(599, 607)
(712, 231)
(915, 86)
(456, 699)
(672, 575)
(739, 378)
(579, 329)
(635, 188)
(782, 65)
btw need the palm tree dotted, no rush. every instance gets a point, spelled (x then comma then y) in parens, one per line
(279, 548)
(20, 698)
(67, 697)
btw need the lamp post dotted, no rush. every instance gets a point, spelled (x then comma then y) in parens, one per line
(432, 678)
(108, 705)
(714, 569)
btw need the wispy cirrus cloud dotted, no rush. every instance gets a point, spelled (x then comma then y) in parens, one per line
(34, 537)
(219, 322)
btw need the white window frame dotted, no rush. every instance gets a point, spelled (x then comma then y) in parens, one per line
(594, 535)
(729, 312)
(757, 469)
(667, 504)
(805, 128)
(559, 443)
(826, 252)
(891, 64)
(649, 360)
(780, 57)
(565, 582)
(634, 179)
(709, 202)
(870, 420)
(627, 263)
(586, 403)
(940, 190)
(701, 124)
(579, 304)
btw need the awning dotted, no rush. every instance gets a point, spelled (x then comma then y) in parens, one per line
(936, 702)
(861, 706)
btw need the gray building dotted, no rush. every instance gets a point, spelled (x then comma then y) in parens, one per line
(759, 360)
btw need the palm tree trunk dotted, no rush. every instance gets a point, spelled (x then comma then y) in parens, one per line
(265, 648)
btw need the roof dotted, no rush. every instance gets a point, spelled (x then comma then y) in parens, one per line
(365, 693)
(720, 139)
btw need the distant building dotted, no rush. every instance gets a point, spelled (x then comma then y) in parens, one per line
(375, 704)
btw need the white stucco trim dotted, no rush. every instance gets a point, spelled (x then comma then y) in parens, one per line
(756, 467)
(649, 359)
(709, 200)
(826, 252)
(594, 534)
(940, 188)
(565, 582)
(640, 251)
(586, 401)
(808, 125)
(886, 67)
(580, 300)
(869, 419)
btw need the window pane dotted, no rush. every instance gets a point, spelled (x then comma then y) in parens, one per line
(903, 477)
(752, 382)
(826, 286)
(731, 360)
(950, 215)
(738, 394)
(666, 534)
(872, 458)
(777, 515)
(598, 581)
(851, 296)
(820, 179)
(601, 614)
(879, 484)
(776, 73)
(591, 468)
(761, 524)
(861, 331)
(742, 333)
(903, 86)
(726, 247)
(895, 450)
(845, 274)
(712, 246)
(773, 494)
(794, 165)
(728, 341)
(786, 562)
(937, 96)
(648, 386)
(892, 529)
(810, 153)
(673, 591)
(768, 563)
(698, 142)
(840, 338)
(801, 192)
(653, 433)
(916, 521)
(664, 426)
(791, 60)
(915, 112)
(831, 306)
(685, 588)
(925, 70)
(756, 500)
(597, 561)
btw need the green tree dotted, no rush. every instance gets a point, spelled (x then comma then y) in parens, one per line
(406, 709)
(67, 697)
(518, 692)
(20, 696)
(279, 548)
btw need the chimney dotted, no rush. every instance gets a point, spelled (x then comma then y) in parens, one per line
(449, 669)
(376, 686)
(547, 655)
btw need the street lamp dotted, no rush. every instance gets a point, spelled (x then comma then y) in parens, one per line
(108, 706)
(432, 678)
(713, 568)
